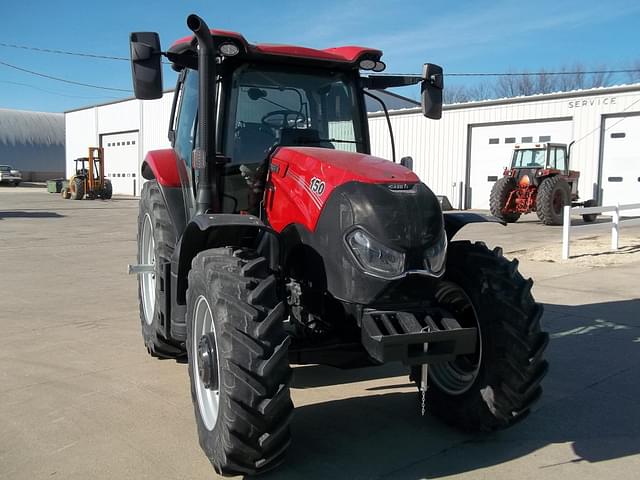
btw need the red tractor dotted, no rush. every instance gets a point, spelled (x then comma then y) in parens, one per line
(540, 181)
(268, 236)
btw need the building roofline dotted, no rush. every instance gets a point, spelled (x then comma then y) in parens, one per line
(112, 102)
(523, 99)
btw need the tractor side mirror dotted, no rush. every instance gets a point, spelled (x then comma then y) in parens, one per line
(431, 91)
(407, 162)
(146, 68)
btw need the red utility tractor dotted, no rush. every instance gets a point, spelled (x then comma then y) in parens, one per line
(268, 235)
(540, 181)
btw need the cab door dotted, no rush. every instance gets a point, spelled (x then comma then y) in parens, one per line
(185, 137)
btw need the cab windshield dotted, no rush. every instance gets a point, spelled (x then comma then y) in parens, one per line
(303, 107)
(529, 158)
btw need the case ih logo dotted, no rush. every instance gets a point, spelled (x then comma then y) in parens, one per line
(317, 186)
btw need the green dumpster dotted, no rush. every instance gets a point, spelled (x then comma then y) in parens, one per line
(56, 185)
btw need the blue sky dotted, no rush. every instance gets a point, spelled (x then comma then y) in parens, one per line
(462, 36)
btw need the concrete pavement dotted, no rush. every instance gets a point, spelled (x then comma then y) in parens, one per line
(80, 398)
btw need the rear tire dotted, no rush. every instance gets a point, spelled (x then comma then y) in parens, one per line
(243, 416)
(589, 217)
(498, 199)
(156, 241)
(553, 194)
(76, 188)
(505, 382)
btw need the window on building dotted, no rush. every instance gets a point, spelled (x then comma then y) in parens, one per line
(510, 140)
(494, 141)
(526, 139)
(544, 138)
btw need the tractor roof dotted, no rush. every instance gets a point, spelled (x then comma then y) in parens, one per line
(183, 52)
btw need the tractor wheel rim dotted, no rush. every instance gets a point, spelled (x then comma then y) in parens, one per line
(457, 376)
(148, 280)
(208, 397)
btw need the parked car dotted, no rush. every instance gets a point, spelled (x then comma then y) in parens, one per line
(9, 175)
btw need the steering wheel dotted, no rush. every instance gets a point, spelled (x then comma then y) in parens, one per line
(282, 118)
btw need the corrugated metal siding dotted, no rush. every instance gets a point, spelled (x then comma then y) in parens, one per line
(81, 133)
(155, 121)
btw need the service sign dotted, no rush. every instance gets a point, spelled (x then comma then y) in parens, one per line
(592, 102)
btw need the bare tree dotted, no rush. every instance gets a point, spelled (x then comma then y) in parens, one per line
(572, 77)
(634, 76)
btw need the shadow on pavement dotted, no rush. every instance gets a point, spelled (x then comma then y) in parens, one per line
(28, 214)
(591, 403)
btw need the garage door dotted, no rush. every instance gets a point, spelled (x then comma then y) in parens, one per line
(121, 161)
(621, 162)
(491, 147)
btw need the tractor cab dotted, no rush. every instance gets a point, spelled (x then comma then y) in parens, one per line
(537, 161)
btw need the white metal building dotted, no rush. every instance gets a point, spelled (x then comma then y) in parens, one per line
(464, 153)
(459, 156)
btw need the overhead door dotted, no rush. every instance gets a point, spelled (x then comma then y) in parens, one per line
(492, 147)
(621, 161)
(121, 160)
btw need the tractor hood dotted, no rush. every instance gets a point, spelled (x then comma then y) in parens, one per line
(311, 174)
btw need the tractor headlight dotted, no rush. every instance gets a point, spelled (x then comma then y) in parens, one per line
(373, 256)
(436, 255)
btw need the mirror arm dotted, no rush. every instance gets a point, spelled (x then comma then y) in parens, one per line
(386, 114)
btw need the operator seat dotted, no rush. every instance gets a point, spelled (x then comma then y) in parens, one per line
(252, 142)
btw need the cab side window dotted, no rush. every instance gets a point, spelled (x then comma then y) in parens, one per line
(558, 159)
(186, 131)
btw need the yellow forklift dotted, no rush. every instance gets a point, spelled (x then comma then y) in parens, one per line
(89, 180)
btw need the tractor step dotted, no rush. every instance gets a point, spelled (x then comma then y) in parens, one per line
(137, 269)
(401, 336)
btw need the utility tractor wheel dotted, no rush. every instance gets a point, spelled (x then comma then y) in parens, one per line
(107, 192)
(496, 386)
(590, 217)
(66, 194)
(553, 194)
(156, 241)
(76, 188)
(499, 196)
(238, 361)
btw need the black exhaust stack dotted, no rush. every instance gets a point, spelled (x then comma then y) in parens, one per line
(204, 157)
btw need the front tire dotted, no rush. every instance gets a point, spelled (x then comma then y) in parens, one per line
(499, 197)
(76, 187)
(238, 361)
(497, 386)
(156, 241)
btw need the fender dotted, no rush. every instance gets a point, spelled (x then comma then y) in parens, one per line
(218, 230)
(454, 221)
(162, 165)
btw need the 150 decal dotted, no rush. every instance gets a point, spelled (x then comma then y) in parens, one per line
(317, 186)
